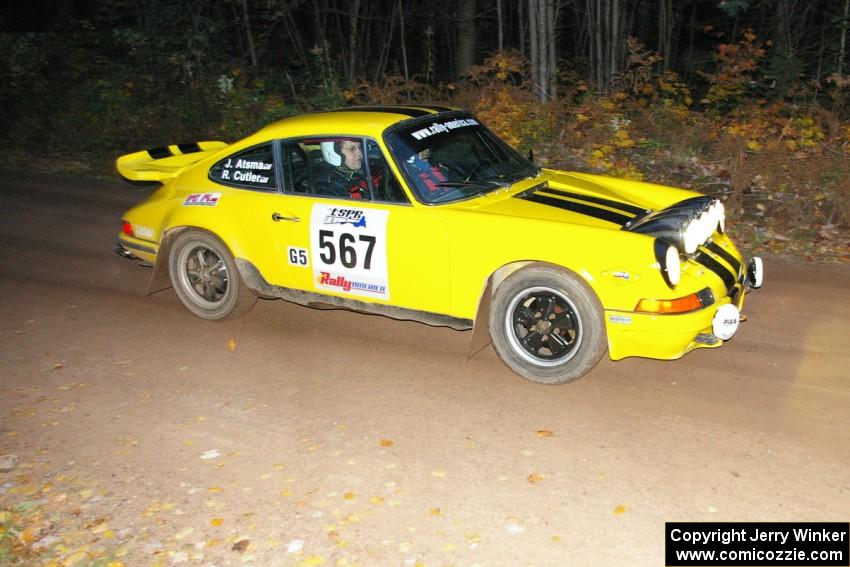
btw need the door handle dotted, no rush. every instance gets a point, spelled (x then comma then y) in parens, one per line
(276, 217)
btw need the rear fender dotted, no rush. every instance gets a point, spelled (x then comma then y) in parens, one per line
(160, 278)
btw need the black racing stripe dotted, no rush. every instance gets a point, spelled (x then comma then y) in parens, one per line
(730, 259)
(718, 268)
(159, 153)
(189, 148)
(404, 110)
(625, 207)
(588, 210)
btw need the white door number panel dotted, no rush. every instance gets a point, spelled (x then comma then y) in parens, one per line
(349, 250)
(297, 256)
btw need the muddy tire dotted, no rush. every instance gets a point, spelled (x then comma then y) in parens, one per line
(205, 277)
(547, 325)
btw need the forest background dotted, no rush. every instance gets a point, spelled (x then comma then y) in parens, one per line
(748, 100)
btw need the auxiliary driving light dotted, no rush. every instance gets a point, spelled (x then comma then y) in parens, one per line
(755, 272)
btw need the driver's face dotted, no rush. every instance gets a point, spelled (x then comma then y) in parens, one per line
(352, 155)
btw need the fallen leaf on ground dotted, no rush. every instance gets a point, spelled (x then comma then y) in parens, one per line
(184, 533)
(514, 528)
(619, 510)
(216, 522)
(231, 345)
(387, 442)
(544, 433)
(534, 478)
(241, 545)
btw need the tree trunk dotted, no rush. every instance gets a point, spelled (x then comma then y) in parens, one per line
(402, 39)
(551, 19)
(465, 54)
(248, 35)
(541, 28)
(501, 44)
(522, 29)
(353, 19)
(294, 34)
(533, 44)
(601, 60)
(382, 60)
(666, 23)
(843, 42)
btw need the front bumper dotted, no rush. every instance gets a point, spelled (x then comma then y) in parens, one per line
(668, 337)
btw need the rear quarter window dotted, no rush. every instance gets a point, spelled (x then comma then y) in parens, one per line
(253, 168)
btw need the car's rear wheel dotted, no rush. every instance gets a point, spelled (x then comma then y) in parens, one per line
(547, 325)
(205, 277)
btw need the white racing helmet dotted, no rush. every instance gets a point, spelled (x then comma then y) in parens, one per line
(330, 153)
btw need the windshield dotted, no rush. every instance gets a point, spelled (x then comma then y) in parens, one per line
(455, 158)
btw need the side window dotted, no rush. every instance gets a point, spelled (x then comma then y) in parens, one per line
(252, 169)
(341, 167)
(302, 160)
(386, 187)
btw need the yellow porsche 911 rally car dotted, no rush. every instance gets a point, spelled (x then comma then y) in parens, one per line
(422, 213)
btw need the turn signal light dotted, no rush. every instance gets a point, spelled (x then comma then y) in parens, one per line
(679, 305)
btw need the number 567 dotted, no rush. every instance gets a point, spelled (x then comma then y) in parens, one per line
(344, 248)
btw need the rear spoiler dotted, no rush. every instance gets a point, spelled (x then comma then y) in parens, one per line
(162, 164)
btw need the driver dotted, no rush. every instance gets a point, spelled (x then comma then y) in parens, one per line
(343, 175)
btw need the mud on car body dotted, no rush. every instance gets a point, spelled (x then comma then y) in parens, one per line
(449, 226)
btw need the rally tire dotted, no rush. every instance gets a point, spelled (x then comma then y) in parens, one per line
(547, 324)
(205, 277)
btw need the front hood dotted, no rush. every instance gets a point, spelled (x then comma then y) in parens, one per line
(578, 198)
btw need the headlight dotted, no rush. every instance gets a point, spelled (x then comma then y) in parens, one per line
(755, 272)
(706, 226)
(714, 214)
(672, 266)
(668, 262)
(692, 236)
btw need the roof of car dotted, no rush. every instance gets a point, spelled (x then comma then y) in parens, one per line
(354, 119)
(408, 110)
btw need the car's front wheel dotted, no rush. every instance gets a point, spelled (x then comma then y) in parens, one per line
(205, 277)
(547, 325)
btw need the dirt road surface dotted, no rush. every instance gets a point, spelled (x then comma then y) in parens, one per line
(134, 433)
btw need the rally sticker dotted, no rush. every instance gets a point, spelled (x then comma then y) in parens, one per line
(443, 127)
(348, 246)
(203, 199)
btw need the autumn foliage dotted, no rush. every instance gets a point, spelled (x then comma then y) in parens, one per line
(780, 162)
